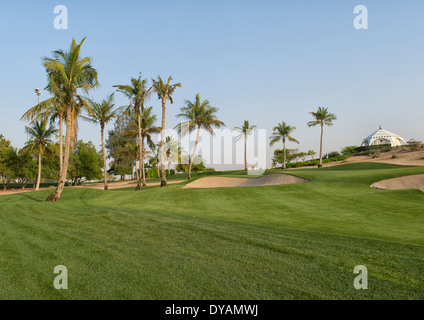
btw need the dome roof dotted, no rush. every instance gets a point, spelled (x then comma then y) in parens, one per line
(382, 136)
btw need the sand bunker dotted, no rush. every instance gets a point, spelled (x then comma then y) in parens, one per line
(224, 182)
(408, 182)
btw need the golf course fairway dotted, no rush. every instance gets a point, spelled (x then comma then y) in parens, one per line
(297, 241)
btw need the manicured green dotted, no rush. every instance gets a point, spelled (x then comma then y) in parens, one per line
(297, 241)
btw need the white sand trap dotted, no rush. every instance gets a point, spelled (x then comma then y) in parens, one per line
(224, 182)
(408, 182)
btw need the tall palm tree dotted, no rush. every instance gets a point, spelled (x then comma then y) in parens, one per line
(102, 113)
(68, 72)
(245, 131)
(148, 128)
(53, 109)
(322, 118)
(171, 151)
(137, 92)
(40, 137)
(164, 90)
(283, 132)
(198, 115)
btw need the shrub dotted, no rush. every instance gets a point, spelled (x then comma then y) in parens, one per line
(414, 146)
(395, 156)
(312, 163)
(349, 150)
(332, 154)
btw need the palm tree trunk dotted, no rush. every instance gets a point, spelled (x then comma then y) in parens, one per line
(37, 187)
(55, 196)
(136, 170)
(104, 156)
(60, 143)
(140, 150)
(157, 167)
(143, 171)
(320, 147)
(169, 167)
(245, 152)
(284, 152)
(194, 152)
(163, 182)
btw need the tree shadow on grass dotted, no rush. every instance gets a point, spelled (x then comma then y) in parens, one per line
(30, 197)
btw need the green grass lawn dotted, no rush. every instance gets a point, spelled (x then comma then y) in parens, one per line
(298, 241)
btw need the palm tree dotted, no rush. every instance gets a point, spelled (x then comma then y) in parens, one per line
(245, 131)
(164, 92)
(137, 92)
(154, 158)
(68, 72)
(148, 119)
(283, 132)
(40, 137)
(53, 109)
(198, 115)
(171, 151)
(322, 118)
(102, 113)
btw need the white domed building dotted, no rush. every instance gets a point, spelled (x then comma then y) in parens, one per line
(382, 136)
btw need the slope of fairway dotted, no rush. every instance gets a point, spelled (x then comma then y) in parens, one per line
(273, 242)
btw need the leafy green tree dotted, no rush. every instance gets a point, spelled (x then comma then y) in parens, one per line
(116, 144)
(51, 162)
(25, 167)
(283, 132)
(85, 163)
(103, 113)
(322, 118)
(198, 115)
(69, 73)
(39, 139)
(137, 92)
(7, 156)
(245, 131)
(133, 151)
(311, 153)
(164, 90)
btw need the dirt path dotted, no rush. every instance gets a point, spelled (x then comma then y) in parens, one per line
(99, 186)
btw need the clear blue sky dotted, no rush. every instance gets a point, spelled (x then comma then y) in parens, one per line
(264, 61)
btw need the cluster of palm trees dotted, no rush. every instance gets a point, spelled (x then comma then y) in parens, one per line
(283, 132)
(69, 75)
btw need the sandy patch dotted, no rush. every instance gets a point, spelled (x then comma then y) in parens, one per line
(405, 158)
(224, 182)
(408, 182)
